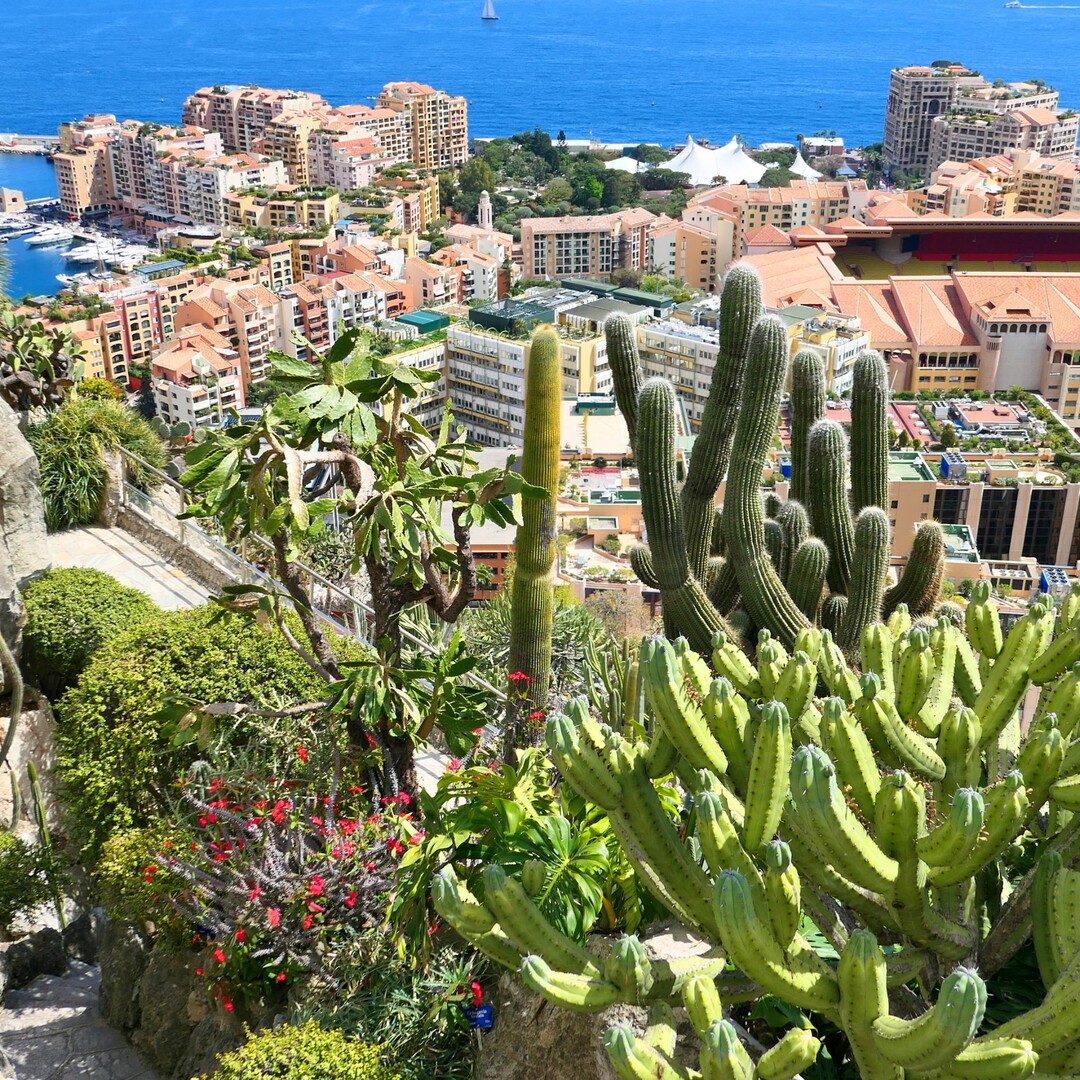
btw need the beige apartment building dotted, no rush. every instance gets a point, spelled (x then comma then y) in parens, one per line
(925, 103)
(240, 114)
(82, 166)
(196, 378)
(437, 123)
(735, 211)
(685, 252)
(288, 138)
(589, 246)
(1048, 187)
(965, 135)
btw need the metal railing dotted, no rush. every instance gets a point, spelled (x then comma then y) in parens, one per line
(342, 611)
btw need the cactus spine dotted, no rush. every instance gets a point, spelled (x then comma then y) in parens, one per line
(919, 586)
(869, 432)
(830, 512)
(533, 594)
(807, 408)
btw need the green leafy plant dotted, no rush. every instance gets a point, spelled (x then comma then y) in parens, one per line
(417, 1014)
(115, 755)
(24, 884)
(37, 365)
(305, 1052)
(69, 444)
(70, 613)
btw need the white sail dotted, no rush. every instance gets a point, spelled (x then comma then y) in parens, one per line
(489, 10)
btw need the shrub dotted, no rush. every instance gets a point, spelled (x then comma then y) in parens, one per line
(134, 888)
(69, 445)
(70, 613)
(115, 755)
(307, 1052)
(94, 389)
(23, 882)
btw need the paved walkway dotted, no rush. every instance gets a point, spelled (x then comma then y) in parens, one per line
(130, 561)
(52, 1030)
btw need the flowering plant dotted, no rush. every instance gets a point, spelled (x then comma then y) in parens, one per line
(275, 873)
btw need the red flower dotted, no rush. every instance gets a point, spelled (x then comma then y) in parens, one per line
(538, 715)
(273, 917)
(350, 900)
(477, 993)
(417, 838)
(519, 676)
(241, 935)
(219, 956)
(433, 929)
(317, 886)
(356, 790)
(281, 976)
(228, 1005)
(395, 847)
(198, 971)
(308, 920)
(454, 765)
(405, 798)
(317, 908)
(302, 754)
(256, 892)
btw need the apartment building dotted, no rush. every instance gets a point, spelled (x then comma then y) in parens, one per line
(240, 114)
(436, 123)
(733, 212)
(479, 271)
(685, 252)
(419, 199)
(345, 161)
(986, 185)
(433, 285)
(82, 165)
(283, 206)
(196, 378)
(587, 246)
(924, 102)
(288, 138)
(244, 315)
(485, 369)
(1047, 186)
(101, 340)
(962, 136)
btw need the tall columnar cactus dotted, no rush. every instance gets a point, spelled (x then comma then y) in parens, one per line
(807, 408)
(919, 586)
(830, 511)
(767, 601)
(533, 597)
(685, 602)
(740, 309)
(736, 559)
(869, 432)
(869, 571)
(890, 817)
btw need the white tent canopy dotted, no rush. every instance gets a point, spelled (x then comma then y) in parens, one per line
(801, 168)
(704, 164)
(626, 164)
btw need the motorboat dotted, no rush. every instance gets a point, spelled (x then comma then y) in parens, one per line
(52, 235)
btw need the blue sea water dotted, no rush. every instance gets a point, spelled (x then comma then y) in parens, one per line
(618, 69)
(31, 270)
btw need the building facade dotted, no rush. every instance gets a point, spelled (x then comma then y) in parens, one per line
(437, 123)
(588, 246)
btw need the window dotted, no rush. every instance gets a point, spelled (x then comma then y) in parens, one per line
(894, 504)
(926, 498)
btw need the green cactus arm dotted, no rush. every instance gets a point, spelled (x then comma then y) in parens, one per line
(686, 607)
(807, 408)
(724, 588)
(794, 522)
(740, 308)
(920, 584)
(766, 600)
(774, 544)
(634, 1059)
(723, 1056)
(827, 499)
(625, 363)
(869, 432)
(569, 990)
(642, 565)
(533, 599)
(869, 569)
(864, 998)
(800, 978)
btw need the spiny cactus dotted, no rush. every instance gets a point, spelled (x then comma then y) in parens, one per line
(922, 577)
(892, 816)
(37, 365)
(756, 584)
(533, 598)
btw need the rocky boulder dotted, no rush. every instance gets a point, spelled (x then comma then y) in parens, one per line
(37, 954)
(24, 544)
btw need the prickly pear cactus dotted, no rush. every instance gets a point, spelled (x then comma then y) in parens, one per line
(885, 805)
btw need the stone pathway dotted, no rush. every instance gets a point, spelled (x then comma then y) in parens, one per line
(52, 1030)
(130, 561)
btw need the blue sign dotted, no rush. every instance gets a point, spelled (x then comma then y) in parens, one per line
(480, 1016)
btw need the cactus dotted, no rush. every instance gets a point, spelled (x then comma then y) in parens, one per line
(533, 595)
(899, 809)
(869, 432)
(757, 585)
(807, 408)
(919, 586)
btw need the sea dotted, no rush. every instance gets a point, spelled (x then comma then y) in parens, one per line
(613, 70)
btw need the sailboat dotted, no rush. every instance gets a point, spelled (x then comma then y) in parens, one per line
(489, 11)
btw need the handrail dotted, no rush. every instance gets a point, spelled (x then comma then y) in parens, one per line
(240, 568)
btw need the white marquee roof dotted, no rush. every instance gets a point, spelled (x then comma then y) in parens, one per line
(704, 164)
(801, 168)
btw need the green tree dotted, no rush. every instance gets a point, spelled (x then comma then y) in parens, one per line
(650, 153)
(948, 436)
(619, 188)
(777, 178)
(476, 175)
(558, 191)
(392, 486)
(659, 179)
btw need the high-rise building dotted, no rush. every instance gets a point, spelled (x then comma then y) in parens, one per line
(241, 113)
(82, 166)
(948, 112)
(437, 123)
